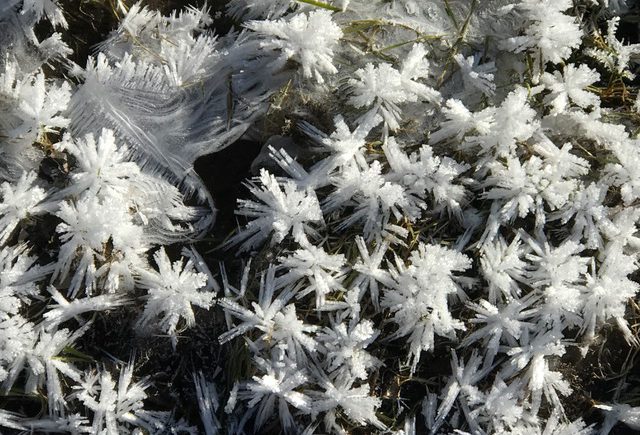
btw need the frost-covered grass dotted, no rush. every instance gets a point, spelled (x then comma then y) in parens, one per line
(438, 234)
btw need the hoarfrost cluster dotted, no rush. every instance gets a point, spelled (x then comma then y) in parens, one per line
(439, 236)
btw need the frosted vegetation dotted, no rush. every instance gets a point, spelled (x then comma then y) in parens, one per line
(440, 234)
